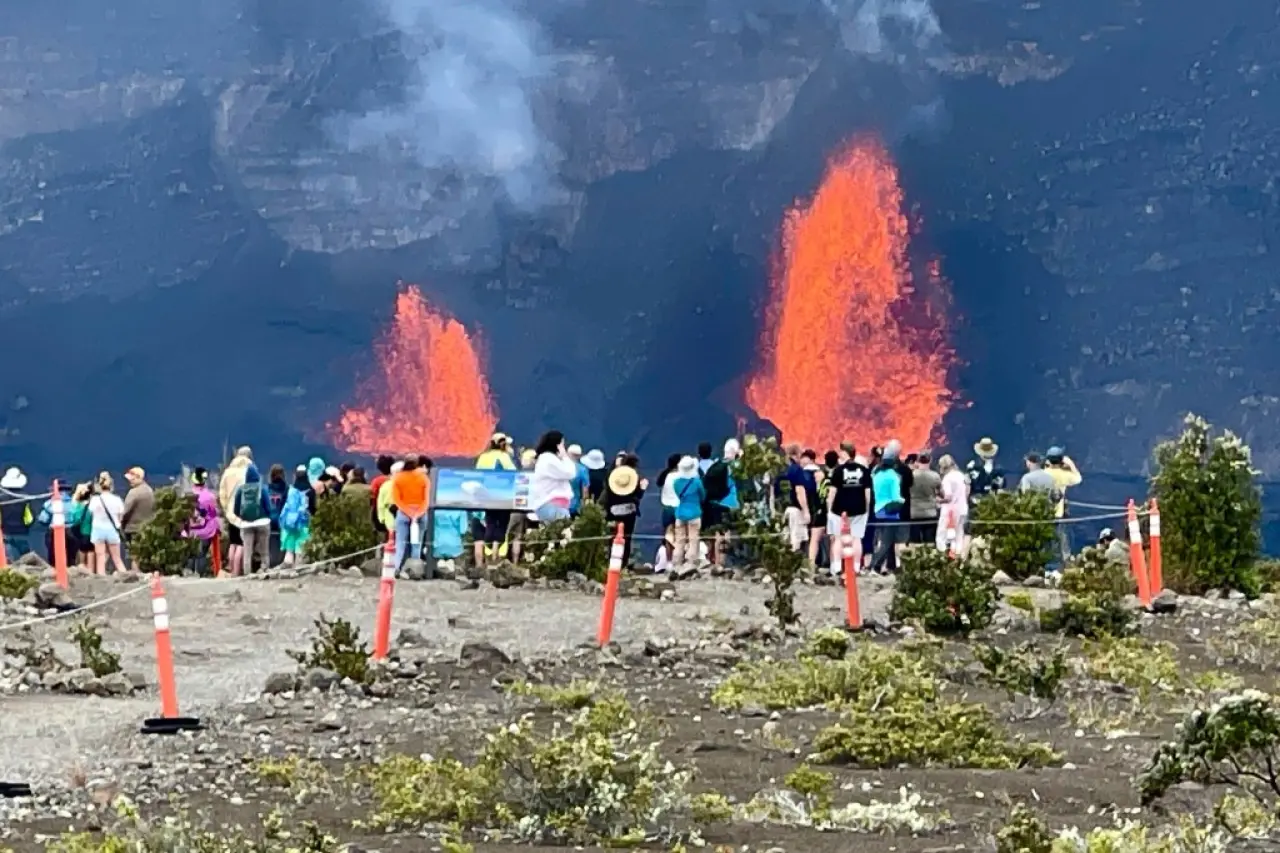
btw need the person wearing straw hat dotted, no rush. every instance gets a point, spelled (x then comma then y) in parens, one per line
(623, 491)
(15, 513)
(985, 476)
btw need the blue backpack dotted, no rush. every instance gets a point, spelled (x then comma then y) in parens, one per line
(295, 514)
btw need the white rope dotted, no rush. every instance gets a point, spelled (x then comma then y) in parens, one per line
(93, 605)
(15, 498)
(185, 583)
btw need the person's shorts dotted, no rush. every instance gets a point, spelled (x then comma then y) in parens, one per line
(496, 525)
(797, 528)
(517, 524)
(857, 525)
(549, 512)
(104, 536)
(233, 535)
(476, 526)
(668, 517)
(713, 516)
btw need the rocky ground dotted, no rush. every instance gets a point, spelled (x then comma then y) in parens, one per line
(470, 657)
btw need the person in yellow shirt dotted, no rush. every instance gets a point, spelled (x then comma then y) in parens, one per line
(1065, 475)
(491, 535)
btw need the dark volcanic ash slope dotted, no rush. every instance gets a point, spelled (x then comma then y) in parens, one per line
(176, 215)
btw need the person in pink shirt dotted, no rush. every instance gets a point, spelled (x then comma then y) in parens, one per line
(953, 510)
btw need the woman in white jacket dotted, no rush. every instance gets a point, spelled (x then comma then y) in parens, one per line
(551, 484)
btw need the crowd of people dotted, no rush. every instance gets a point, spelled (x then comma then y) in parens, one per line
(887, 499)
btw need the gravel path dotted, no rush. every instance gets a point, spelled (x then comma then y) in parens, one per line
(229, 636)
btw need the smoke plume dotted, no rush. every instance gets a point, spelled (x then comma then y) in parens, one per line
(899, 31)
(467, 110)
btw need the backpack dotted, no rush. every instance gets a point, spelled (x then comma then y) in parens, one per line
(295, 515)
(251, 501)
(716, 481)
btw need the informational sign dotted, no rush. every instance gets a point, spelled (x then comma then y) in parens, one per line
(468, 488)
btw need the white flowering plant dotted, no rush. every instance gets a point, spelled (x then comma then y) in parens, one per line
(1210, 510)
(1234, 742)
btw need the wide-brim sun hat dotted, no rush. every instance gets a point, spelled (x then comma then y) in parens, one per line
(13, 479)
(594, 459)
(986, 448)
(688, 466)
(574, 450)
(623, 480)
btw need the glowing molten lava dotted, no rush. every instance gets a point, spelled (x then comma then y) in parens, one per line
(430, 396)
(852, 350)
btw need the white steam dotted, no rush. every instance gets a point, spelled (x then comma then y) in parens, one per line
(888, 30)
(467, 108)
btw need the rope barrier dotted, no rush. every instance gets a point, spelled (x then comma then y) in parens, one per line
(15, 498)
(224, 582)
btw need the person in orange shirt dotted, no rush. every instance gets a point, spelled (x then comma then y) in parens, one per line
(410, 492)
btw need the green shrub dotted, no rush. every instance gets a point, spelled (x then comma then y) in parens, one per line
(1025, 668)
(1210, 511)
(342, 525)
(337, 647)
(919, 733)
(1095, 588)
(579, 545)
(1024, 832)
(131, 834)
(784, 566)
(598, 779)
(1235, 743)
(159, 545)
(92, 655)
(945, 594)
(761, 462)
(827, 643)
(1023, 548)
(577, 694)
(870, 670)
(16, 584)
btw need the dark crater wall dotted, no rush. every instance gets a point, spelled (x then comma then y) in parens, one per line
(1100, 180)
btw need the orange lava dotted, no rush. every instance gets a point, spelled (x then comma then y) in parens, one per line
(853, 350)
(430, 395)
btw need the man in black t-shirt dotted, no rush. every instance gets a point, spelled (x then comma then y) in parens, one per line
(849, 496)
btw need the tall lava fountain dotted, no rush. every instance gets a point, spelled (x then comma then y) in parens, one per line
(430, 394)
(853, 348)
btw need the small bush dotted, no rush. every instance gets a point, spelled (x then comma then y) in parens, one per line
(337, 647)
(1210, 509)
(945, 594)
(341, 526)
(871, 670)
(920, 733)
(92, 655)
(597, 780)
(15, 584)
(1025, 669)
(1021, 600)
(579, 545)
(1236, 742)
(1095, 588)
(1143, 666)
(159, 545)
(830, 643)
(784, 566)
(130, 833)
(1024, 832)
(577, 694)
(1021, 549)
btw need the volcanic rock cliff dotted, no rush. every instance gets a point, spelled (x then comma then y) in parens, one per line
(186, 256)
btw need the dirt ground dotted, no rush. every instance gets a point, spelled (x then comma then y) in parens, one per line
(231, 636)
